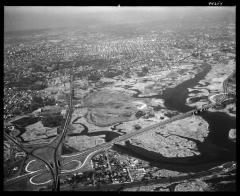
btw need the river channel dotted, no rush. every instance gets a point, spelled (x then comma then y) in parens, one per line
(215, 149)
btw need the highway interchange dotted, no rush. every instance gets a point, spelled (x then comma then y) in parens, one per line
(55, 162)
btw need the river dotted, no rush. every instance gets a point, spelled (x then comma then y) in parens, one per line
(216, 148)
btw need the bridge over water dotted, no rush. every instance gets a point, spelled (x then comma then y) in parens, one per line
(50, 154)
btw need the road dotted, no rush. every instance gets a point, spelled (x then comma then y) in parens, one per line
(225, 82)
(85, 156)
(54, 159)
(211, 173)
(50, 153)
(58, 148)
(226, 93)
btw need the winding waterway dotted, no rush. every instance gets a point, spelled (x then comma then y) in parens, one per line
(216, 148)
(219, 123)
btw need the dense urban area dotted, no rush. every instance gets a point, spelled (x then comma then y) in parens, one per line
(120, 80)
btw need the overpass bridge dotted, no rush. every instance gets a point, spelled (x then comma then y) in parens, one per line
(225, 84)
(50, 154)
(83, 158)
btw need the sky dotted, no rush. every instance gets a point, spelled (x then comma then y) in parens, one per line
(40, 17)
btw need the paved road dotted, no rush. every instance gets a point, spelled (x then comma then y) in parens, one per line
(49, 153)
(58, 148)
(225, 82)
(86, 155)
(212, 173)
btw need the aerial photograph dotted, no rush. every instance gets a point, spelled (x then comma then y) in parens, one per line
(119, 98)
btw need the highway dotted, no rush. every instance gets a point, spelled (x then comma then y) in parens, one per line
(28, 154)
(225, 82)
(86, 155)
(53, 162)
(141, 131)
(226, 93)
(58, 148)
(83, 157)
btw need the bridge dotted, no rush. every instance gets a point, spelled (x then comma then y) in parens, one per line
(227, 94)
(225, 83)
(50, 154)
(83, 158)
